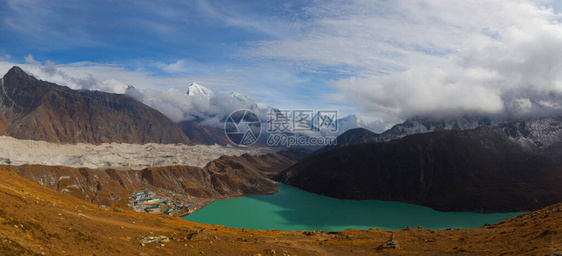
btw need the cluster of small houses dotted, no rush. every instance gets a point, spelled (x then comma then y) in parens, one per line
(154, 204)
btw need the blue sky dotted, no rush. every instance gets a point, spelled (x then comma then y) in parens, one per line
(385, 60)
(136, 34)
(190, 39)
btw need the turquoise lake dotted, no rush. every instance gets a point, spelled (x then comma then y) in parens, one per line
(294, 209)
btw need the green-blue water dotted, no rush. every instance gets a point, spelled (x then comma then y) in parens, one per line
(294, 209)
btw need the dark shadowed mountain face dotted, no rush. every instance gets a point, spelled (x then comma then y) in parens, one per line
(352, 137)
(203, 135)
(473, 170)
(38, 110)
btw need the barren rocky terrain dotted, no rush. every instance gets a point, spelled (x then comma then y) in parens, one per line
(114, 155)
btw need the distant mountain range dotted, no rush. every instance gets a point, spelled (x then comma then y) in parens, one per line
(38, 110)
(538, 134)
(240, 101)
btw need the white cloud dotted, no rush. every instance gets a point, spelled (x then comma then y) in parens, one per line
(6, 57)
(29, 59)
(420, 91)
(49, 71)
(177, 67)
(394, 59)
(180, 106)
(156, 92)
(407, 58)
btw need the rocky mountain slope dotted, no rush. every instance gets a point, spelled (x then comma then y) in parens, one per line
(203, 135)
(411, 126)
(226, 177)
(38, 110)
(35, 220)
(424, 124)
(351, 137)
(474, 170)
(191, 184)
(267, 165)
(540, 135)
(534, 135)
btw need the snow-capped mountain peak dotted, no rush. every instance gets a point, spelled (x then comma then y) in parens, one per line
(197, 89)
(352, 121)
(344, 123)
(238, 99)
(210, 107)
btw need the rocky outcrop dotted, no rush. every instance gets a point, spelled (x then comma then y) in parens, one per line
(474, 170)
(389, 244)
(39, 110)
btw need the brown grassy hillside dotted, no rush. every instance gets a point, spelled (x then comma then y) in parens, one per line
(35, 220)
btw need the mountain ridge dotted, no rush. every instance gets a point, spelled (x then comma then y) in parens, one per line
(39, 110)
(533, 134)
